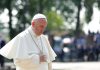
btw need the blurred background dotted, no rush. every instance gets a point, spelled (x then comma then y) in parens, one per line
(73, 26)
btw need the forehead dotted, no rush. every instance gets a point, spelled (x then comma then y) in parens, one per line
(41, 20)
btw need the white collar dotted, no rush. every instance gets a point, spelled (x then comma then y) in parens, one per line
(32, 32)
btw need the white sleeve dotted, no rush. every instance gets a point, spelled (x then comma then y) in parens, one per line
(9, 50)
(29, 62)
(52, 54)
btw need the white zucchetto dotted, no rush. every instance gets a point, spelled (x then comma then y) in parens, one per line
(37, 16)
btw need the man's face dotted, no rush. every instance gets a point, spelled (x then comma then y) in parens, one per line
(39, 26)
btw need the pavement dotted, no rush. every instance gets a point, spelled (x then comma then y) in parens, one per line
(77, 66)
(68, 66)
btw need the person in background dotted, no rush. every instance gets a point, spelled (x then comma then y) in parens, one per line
(2, 43)
(30, 49)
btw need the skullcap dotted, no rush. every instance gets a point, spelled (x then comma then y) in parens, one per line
(38, 16)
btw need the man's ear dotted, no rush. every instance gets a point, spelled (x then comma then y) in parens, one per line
(33, 23)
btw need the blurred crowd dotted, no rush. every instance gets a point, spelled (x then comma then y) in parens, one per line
(82, 48)
(2, 60)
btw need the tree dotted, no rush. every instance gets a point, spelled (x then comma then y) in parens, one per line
(25, 11)
(8, 6)
(78, 30)
(55, 21)
(2, 2)
(68, 7)
(21, 8)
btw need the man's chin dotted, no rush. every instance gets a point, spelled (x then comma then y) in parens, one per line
(39, 34)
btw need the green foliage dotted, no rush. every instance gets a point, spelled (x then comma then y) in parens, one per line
(98, 2)
(89, 13)
(2, 4)
(88, 3)
(33, 6)
(76, 2)
(55, 21)
(89, 9)
(39, 6)
(65, 6)
(1, 26)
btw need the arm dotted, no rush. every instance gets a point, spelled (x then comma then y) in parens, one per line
(33, 61)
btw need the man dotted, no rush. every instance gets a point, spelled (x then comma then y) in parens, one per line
(30, 49)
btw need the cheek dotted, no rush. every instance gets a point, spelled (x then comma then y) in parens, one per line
(32, 24)
(40, 28)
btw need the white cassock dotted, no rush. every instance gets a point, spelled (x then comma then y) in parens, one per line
(25, 53)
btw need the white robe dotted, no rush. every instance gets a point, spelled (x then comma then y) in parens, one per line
(25, 53)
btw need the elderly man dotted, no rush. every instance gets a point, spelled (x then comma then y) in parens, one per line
(30, 49)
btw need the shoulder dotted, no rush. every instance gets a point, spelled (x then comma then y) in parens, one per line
(23, 34)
